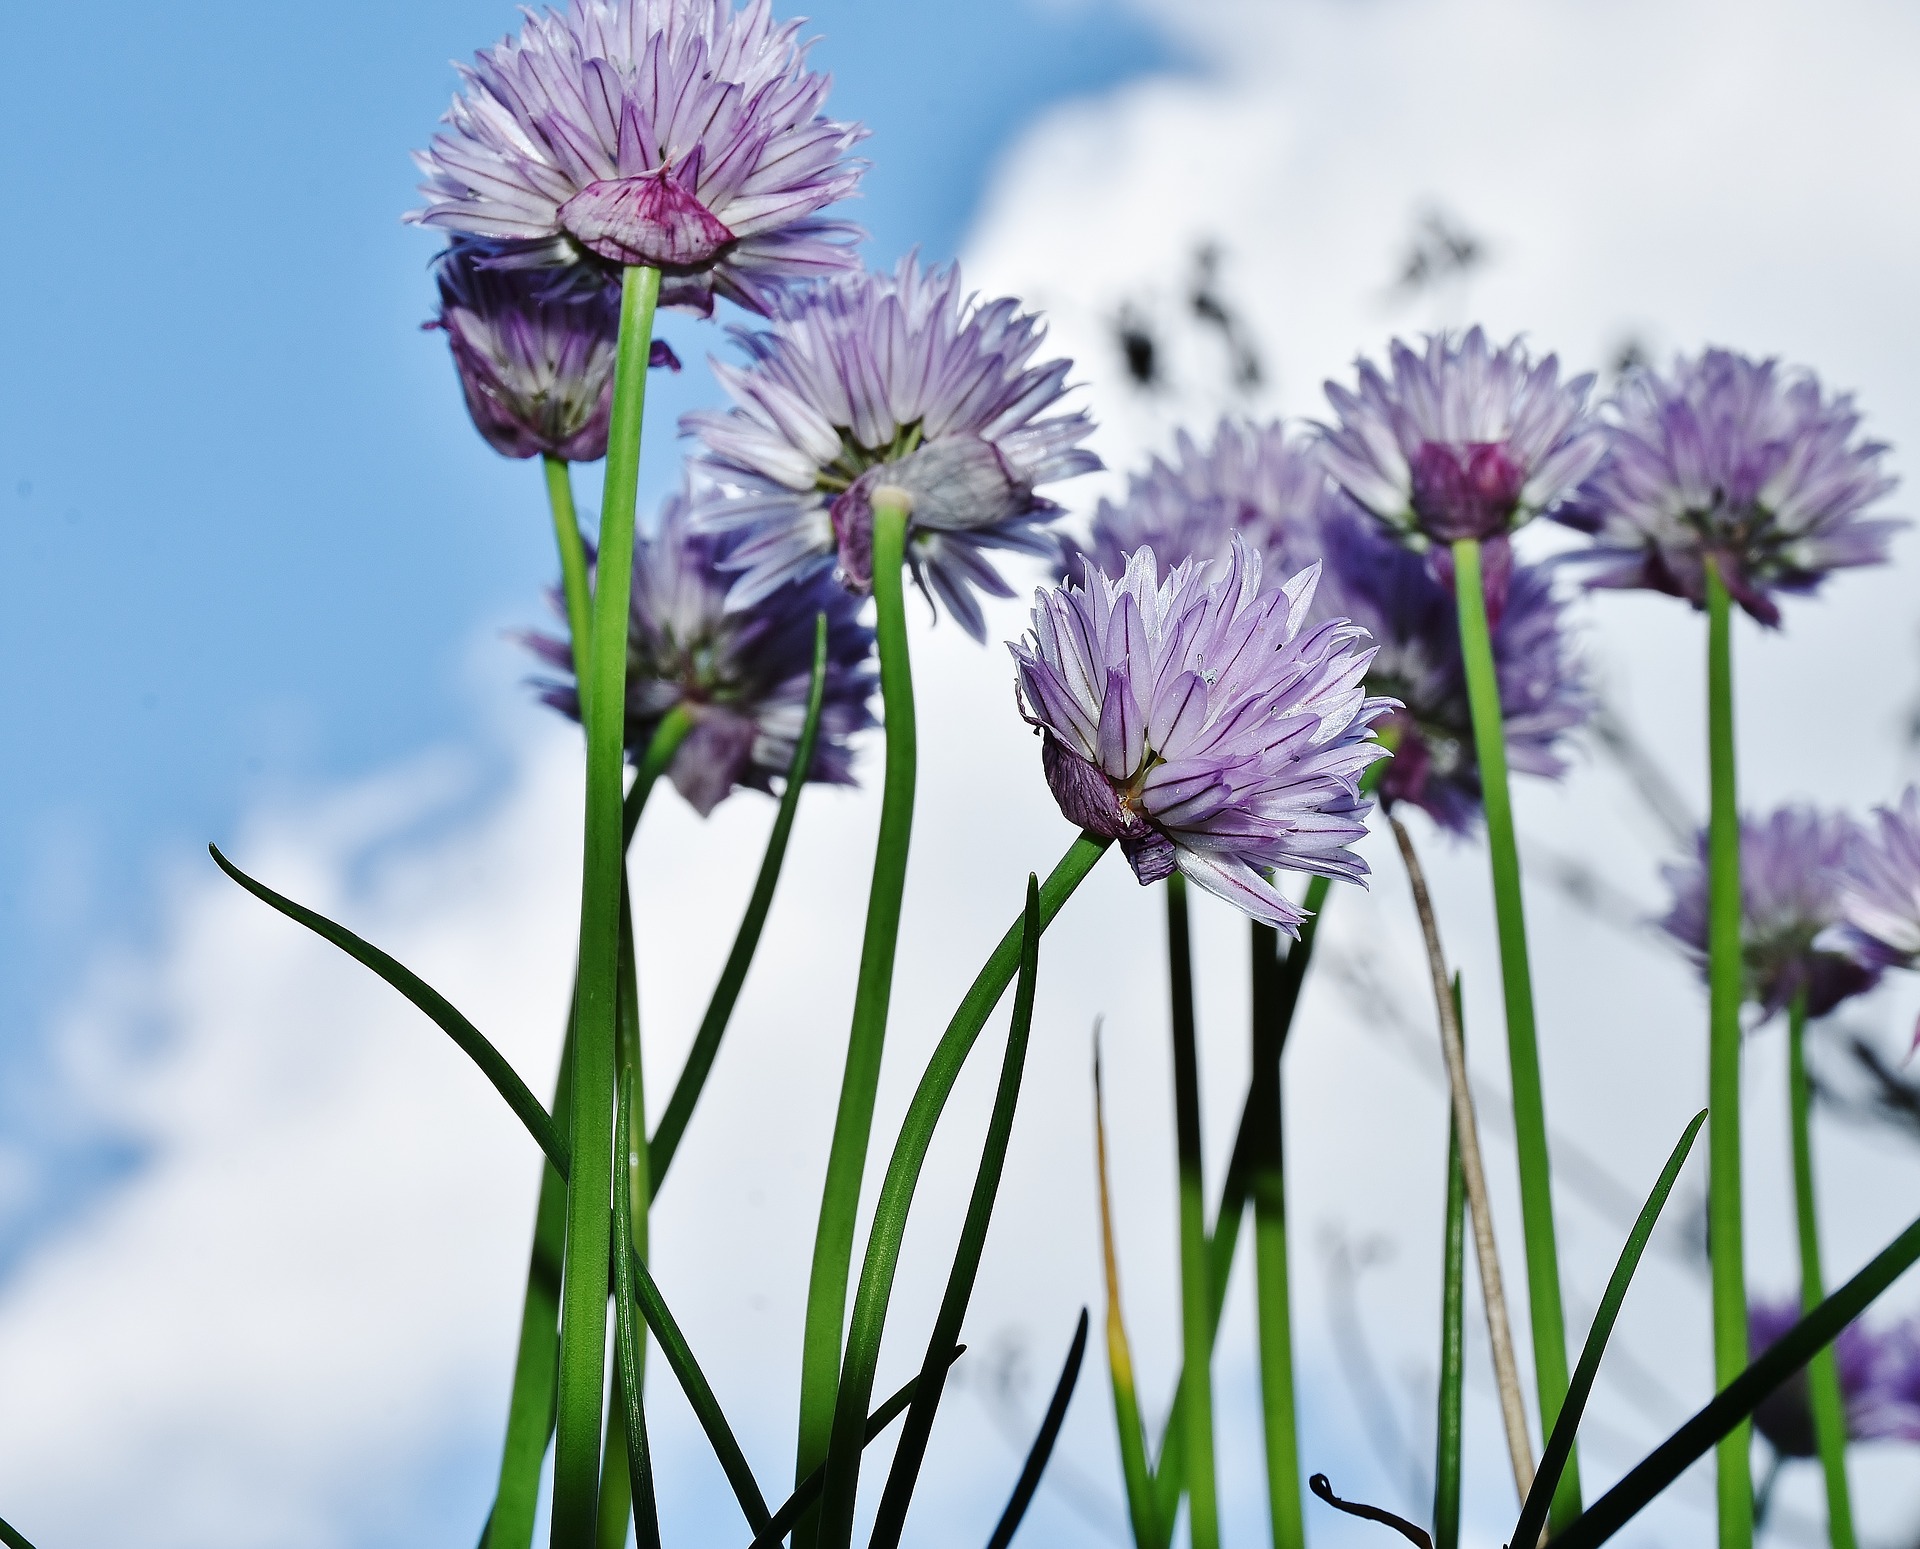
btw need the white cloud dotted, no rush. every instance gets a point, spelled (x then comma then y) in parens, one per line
(305, 1297)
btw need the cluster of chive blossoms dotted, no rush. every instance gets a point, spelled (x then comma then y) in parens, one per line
(1879, 1372)
(1273, 490)
(743, 677)
(1204, 724)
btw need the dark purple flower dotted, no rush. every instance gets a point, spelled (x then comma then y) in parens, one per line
(1740, 461)
(898, 380)
(1879, 1382)
(1199, 723)
(681, 134)
(535, 357)
(1793, 873)
(742, 673)
(1273, 491)
(1464, 440)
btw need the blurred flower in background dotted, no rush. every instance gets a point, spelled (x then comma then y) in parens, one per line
(1879, 1382)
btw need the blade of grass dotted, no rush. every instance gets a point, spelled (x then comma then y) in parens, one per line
(853, 1120)
(1141, 1510)
(1042, 1449)
(583, 1290)
(1453, 1339)
(1516, 983)
(912, 1450)
(1725, 990)
(470, 1040)
(902, 1176)
(1823, 1376)
(706, 1042)
(11, 1538)
(808, 1490)
(1733, 1405)
(1533, 1515)
(628, 1379)
(1196, 1326)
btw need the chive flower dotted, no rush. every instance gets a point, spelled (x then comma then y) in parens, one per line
(1273, 490)
(534, 351)
(1460, 440)
(1795, 868)
(1204, 724)
(899, 380)
(742, 674)
(1879, 1372)
(681, 134)
(1741, 461)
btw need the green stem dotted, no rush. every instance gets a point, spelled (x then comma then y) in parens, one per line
(1516, 983)
(1272, 1297)
(1823, 1377)
(1725, 989)
(1196, 1326)
(853, 1123)
(1453, 1339)
(902, 1177)
(583, 1299)
(573, 561)
(1142, 1513)
(706, 1043)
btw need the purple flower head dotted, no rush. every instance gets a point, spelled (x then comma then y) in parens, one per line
(1880, 895)
(1738, 461)
(1879, 1382)
(1464, 440)
(1274, 491)
(680, 134)
(743, 674)
(902, 381)
(535, 357)
(1793, 873)
(1204, 725)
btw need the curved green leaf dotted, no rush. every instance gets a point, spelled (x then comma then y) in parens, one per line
(1042, 1449)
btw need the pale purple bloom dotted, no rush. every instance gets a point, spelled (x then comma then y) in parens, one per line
(743, 674)
(904, 381)
(680, 134)
(1739, 461)
(1794, 868)
(1203, 724)
(1462, 440)
(1273, 490)
(1879, 1374)
(535, 357)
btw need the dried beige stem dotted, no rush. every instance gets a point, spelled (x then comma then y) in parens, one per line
(1500, 1334)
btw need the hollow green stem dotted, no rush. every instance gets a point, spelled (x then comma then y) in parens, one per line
(1725, 1230)
(573, 560)
(853, 1122)
(706, 1042)
(1196, 1326)
(1453, 1338)
(1516, 983)
(583, 1297)
(902, 1177)
(1823, 1376)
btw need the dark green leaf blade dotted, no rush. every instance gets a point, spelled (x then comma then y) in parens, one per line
(471, 1041)
(1533, 1515)
(646, 1516)
(1737, 1401)
(11, 1538)
(1042, 1450)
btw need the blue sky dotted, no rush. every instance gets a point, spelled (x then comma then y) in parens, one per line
(249, 534)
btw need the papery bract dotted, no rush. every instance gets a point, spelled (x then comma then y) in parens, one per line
(742, 674)
(1204, 724)
(900, 380)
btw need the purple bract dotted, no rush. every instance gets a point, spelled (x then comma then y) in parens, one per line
(1879, 1373)
(1739, 461)
(900, 380)
(1794, 869)
(742, 673)
(535, 356)
(1463, 440)
(1203, 725)
(680, 134)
